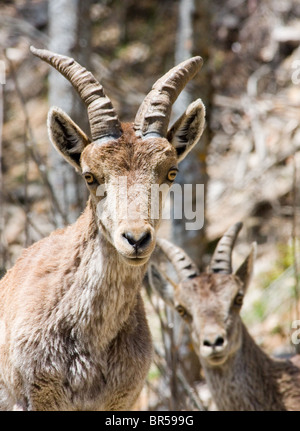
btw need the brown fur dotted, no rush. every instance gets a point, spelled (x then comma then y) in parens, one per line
(62, 343)
(73, 330)
(43, 299)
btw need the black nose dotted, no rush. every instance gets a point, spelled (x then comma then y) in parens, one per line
(218, 342)
(140, 242)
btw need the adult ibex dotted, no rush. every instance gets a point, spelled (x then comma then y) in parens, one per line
(239, 374)
(74, 335)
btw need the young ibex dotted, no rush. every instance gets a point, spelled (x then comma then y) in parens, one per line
(74, 335)
(239, 374)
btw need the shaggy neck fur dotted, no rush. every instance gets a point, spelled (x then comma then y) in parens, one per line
(81, 326)
(247, 381)
(103, 288)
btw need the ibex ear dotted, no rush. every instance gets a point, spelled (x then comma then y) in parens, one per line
(246, 269)
(160, 285)
(187, 130)
(66, 136)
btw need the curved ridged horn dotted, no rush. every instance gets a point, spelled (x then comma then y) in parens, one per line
(221, 259)
(183, 264)
(102, 116)
(154, 113)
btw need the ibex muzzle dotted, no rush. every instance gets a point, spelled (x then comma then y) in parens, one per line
(213, 342)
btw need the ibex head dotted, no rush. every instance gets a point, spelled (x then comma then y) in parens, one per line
(209, 302)
(120, 156)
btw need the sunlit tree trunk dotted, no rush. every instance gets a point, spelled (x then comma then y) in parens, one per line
(193, 39)
(69, 32)
(3, 251)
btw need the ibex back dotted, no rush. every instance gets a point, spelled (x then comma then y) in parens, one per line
(74, 335)
(239, 374)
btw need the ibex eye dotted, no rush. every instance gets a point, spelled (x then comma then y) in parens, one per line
(181, 310)
(238, 300)
(89, 178)
(172, 174)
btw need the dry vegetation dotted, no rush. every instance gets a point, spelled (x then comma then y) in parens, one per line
(253, 161)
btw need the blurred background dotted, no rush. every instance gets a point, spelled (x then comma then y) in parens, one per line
(248, 158)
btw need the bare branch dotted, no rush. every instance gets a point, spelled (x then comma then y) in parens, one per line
(31, 148)
(294, 245)
(2, 237)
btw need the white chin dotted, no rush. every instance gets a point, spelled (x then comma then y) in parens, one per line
(216, 361)
(138, 261)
